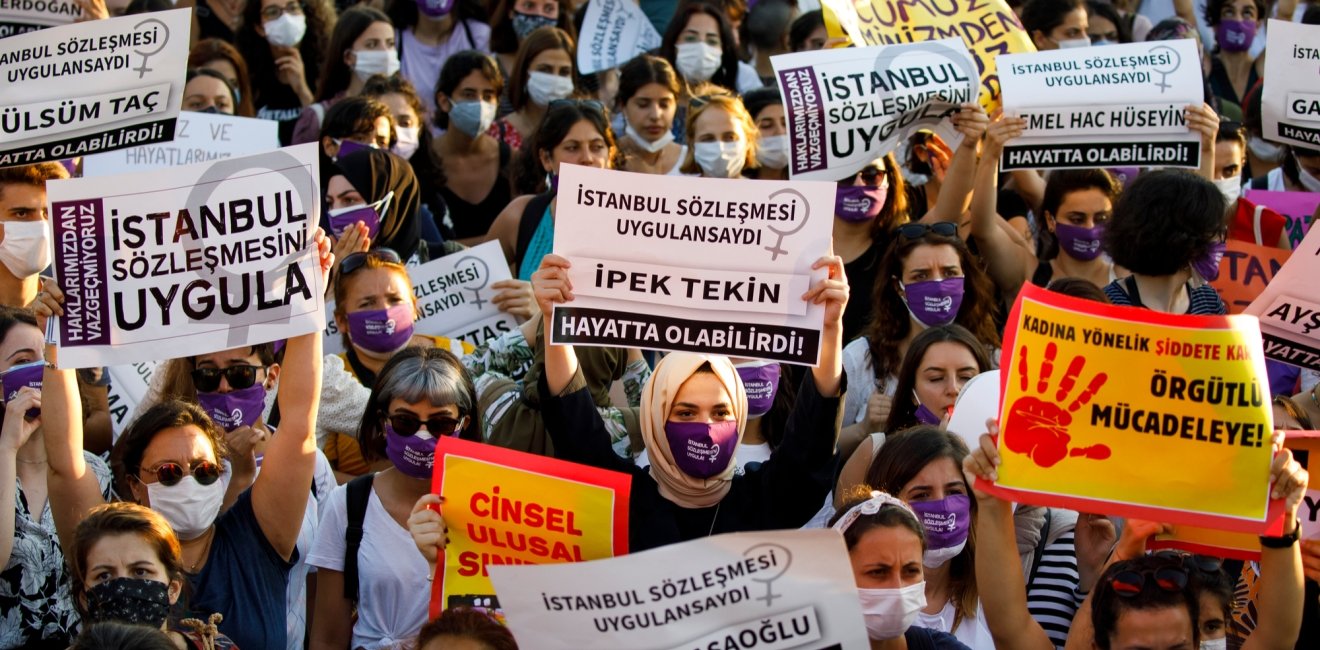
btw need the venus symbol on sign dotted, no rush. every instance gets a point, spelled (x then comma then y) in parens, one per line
(778, 248)
(783, 561)
(484, 276)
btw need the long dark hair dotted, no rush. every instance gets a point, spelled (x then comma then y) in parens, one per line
(336, 75)
(903, 413)
(414, 374)
(890, 323)
(1061, 183)
(256, 50)
(644, 70)
(727, 74)
(541, 40)
(214, 49)
(558, 121)
(456, 69)
(504, 40)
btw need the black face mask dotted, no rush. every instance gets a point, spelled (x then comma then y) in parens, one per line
(129, 600)
(210, 109)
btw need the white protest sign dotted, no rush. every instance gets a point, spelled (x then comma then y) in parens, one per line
(848, 106)
(128, 387)
(771, 590)
(695, 264)
(1117, 105)
(198, 137)
(453, 298)
(1288, 308)
(23, 16)
(1290, 100)
(613, 32)
(188, 260)
(90, 87)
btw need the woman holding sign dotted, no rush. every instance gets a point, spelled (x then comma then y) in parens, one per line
(238, 562)
(694, 411)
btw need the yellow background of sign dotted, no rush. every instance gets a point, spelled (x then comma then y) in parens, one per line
(1194, 478)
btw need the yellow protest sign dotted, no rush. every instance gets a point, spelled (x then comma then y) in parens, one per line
(1125, 411)
(988, 28)
(508, 507)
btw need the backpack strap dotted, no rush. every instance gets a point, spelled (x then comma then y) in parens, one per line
(359, 492)
(1040, 547)
(531, 220)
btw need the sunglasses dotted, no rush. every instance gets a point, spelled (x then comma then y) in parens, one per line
(1202, 563)
(170, 473)
(1129, 584)
(916, 230)
(406, 425)
(207, 380)
(357, 260)
(588, 104)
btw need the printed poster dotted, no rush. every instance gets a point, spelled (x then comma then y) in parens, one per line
(776, 590)
(692, 264)
(1244, 272)
(1290, 100)
(1297, 207)
(509, 507)
(453, 298)
(613, 32)
(91, 87)
(988, 28)
(198, 137)
(188, 260)
(1097, 400)
(1289, 308)
(128, 386)
(1112, 106)
(23, 16)
(848, 106)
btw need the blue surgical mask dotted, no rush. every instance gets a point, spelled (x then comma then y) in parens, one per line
(472, 117)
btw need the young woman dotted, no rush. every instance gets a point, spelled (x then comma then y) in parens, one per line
(648, 97)
(573, 133)
(419, 396)
(475, 165)
(373, 200)
(1104, 25)
(697, 401)
(700, 44)
(1056, 24)
(282, 42)
(362, 45)
(808, 33)
(237, 563)
(467, 628)
(766, 106)
(1163, 253)
(1233, 70)
(722, 138)
(927, 279)
(886, 545)
(513, 21)
(431, 31)
(126, 566)
(542, 73)
(217, 55)
(412, 142)
(34, 590)
(206, 91)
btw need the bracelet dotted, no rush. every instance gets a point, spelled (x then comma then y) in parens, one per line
(1284, 541)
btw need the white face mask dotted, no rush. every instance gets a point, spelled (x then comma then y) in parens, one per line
(408, 141)
(285, 31)
(25, 250)
(189, 506)
(1217, 644)
(1265, 150)
(1231, 188)
(772, 151)
(890, 612)
(937, 557)
(545, 87)
(369, 62)
(1074, 43)
(1311, 183)
(721, 159)
(697, 61)
(650, 147)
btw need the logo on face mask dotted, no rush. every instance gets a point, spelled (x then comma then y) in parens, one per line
(943, 304)
(389, 327)
(941, 522)
(1085, 246)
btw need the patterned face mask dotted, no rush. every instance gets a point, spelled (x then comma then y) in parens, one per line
(129, 600)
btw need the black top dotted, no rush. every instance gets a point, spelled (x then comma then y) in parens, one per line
(1222, 87)
(467, 220)
(861, 274)
(210, 26)
(783, 492)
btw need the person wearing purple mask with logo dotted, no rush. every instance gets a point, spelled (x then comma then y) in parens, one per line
(421, 395)
(694, 410)
(1233, 69)
(374, 201)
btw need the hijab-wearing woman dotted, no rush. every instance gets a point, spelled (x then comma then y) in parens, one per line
(766, 106)
(648, 101)
(283, 43)
(34, 590)
(373, 185)
(542, 73)
(475, 164)
(693, 413)
(431, 31)
(223, 58)
(419, 396)
(126, 566)
(362, 45)
(237, 563)
(721, 137)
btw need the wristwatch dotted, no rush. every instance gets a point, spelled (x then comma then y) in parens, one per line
(1284, 541)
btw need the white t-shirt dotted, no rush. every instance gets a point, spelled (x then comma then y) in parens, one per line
(861, 380)
(971, 632)
(393, 592)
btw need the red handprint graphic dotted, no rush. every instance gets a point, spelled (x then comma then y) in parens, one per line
(1038, 428)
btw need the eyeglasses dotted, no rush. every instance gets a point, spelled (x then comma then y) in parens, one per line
(1129, 584)
(1202, 563)
(588, 104)
(274, 12)
(916, 230)
(169, 473)
(355, 261)
(871, 175)
(207, 380)
(406, 425)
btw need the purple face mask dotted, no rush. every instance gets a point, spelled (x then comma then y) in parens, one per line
(1207, 266)
(27, 374)
(1082, 244)
(926, 416)
(381, 330)
(237, 408)
(435, 8)
(857, 203)
(1124, 175)
(947, 523)
(935, 302)
(1235, 35)
(343, 218)
(413, 455)
(347, 146)
(761, 382)
(702, 450)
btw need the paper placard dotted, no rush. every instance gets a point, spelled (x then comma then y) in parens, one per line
(198, 137)
(1290, 100)
(613, 32)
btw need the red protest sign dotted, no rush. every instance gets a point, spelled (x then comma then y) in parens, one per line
(1244, 272)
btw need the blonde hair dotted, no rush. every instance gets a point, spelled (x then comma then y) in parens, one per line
(705, 97)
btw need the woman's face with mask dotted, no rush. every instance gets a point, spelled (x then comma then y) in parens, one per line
(944, 369)
(887, 557)
(650, 111)
(940, 478)
(702, 398)
(206, 92)
(127, 555)
(371, 289)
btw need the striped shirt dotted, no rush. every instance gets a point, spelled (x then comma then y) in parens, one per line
(1052, 596)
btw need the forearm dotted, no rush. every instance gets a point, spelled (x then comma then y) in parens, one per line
(1029, 185)
(956, 192)
(999, 572)
(985, 197)
(61, 419)
(851, 436)
(829, 374)
(561, 362)
(1081, 635)
(1282, 588)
